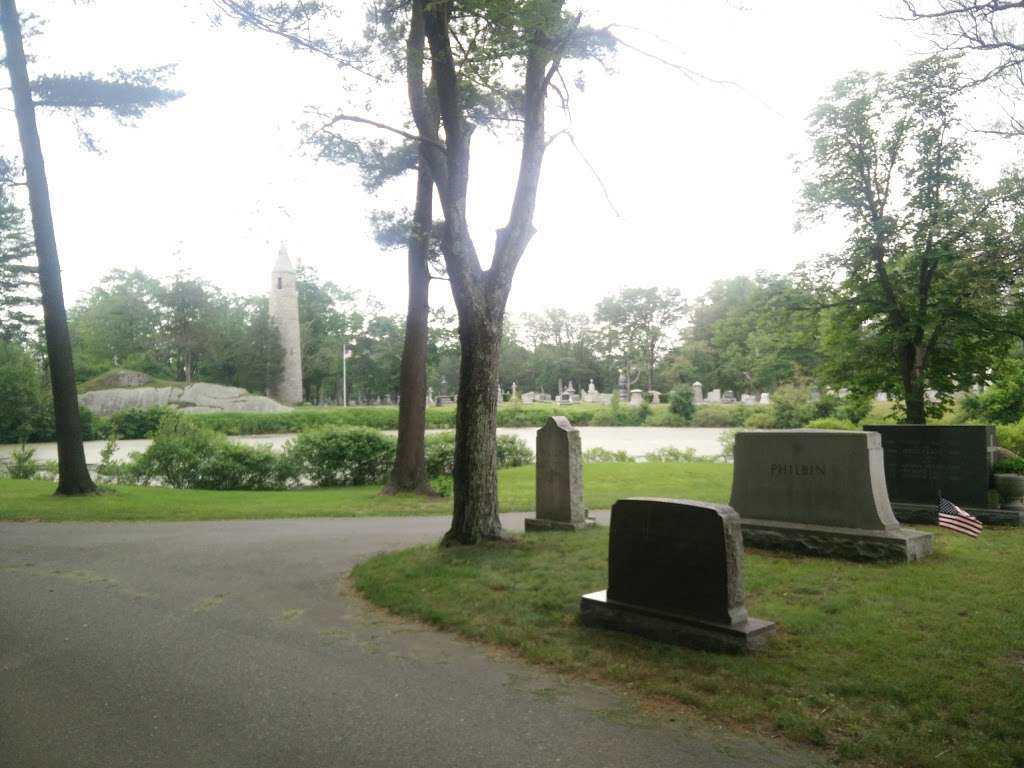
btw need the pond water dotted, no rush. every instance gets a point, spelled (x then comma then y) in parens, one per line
(636, 441)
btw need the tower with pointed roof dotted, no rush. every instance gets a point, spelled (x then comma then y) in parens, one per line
(284, 314)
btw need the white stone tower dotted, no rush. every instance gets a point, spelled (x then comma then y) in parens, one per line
(284, 313)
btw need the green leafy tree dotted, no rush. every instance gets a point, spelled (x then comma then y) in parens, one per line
(639, 325)
(118, 325)
(922, 291)
(127, 94)
(18, 282)
(328, 318)
(751, 334)
(20, 393)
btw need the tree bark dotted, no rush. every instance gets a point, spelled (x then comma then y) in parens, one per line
(410, 470)
(913, 385)
(74, 476)
(475, 491)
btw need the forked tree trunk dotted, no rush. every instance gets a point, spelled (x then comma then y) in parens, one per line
(475, 494)
(410, 470)
(74, 476)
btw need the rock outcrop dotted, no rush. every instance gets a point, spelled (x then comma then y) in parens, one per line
(194, 398)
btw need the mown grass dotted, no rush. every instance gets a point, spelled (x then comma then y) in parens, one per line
(906, 665)
(603, 484)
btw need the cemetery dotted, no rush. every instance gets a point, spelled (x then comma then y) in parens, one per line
(336, 431)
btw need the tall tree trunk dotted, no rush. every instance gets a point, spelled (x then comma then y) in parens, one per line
(74, 476)
(410, 470)
(913, 385)
(475, 494)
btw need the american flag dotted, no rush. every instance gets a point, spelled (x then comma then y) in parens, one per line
(954, 518)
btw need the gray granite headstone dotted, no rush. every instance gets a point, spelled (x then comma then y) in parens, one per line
(819, 492)
(559, 498)
(675, 573)
(923, 460)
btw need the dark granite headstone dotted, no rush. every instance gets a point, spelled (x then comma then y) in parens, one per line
(675, 573)
(923, 460)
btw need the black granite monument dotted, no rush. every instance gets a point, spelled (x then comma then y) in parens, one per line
(675, 574)
(923, 460)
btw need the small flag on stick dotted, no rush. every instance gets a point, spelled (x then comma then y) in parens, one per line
(954, 518)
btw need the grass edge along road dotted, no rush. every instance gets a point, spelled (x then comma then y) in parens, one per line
(603, 484)
(912, 665)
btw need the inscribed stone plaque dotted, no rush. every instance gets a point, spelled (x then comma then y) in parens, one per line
(922, 460)
(819, 492)
(813, 476)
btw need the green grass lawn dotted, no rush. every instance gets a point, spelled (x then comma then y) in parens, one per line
(907, 665)
(604, 483)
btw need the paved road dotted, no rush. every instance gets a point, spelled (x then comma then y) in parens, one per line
(240, 644)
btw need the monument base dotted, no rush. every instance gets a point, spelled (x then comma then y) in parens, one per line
(928, 514)
(540, 524)
(596, 610)
(901, 545)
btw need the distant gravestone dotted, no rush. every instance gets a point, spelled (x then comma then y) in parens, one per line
(675, 574)
(559, 492)
(923, 460)
(636, 396)
(728, 396)
(819, 492)
(698, 392)
(765, 399)
(715, 396)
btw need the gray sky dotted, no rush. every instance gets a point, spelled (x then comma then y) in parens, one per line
(702, 175)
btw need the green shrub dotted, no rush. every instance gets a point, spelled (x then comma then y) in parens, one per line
(513, 452)
(723, 415)
(604, 456)
(109, 469)
(661, 416)
(672, 455)
(728, 442)
(1009, 466)
(1011, 436)
(132, 423)
(186, 455)
(792, 406)
(854, 407)
(332, 456)
(760, 420)
(23, 465)
(440, 454)
(236, 467)
(831, 422)
(179, 453)
(680, 402)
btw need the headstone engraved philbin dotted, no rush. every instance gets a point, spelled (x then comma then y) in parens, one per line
(922, 461)
(819, 492)
(675, 574)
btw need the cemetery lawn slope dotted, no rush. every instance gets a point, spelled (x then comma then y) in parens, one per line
(604, 483)
(908, 665)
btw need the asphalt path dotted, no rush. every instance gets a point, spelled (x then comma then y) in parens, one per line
(242, 644)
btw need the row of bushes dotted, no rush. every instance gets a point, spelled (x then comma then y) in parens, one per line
(185, 454)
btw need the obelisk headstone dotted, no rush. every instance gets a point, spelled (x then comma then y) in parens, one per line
(559, 498)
